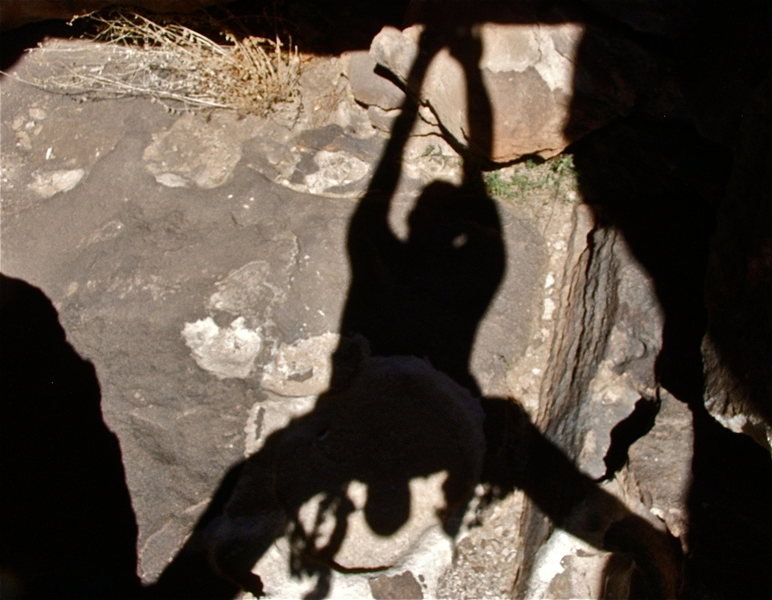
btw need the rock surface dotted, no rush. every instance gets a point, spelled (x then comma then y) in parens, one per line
(199, 263)
(210, 311)
(530, 68)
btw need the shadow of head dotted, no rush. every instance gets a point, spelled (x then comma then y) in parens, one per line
(444, 211)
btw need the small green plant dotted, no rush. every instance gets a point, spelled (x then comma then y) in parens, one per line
(508, 188)
(556, 177)
(563, 165)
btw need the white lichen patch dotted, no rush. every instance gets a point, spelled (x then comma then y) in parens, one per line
(49, 183)
(335, 169)
(552, 560)
(303, 368)
(228, 352)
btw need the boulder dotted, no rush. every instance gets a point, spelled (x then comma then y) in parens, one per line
(533, 77)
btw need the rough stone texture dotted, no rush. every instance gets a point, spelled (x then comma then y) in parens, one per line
(368, 86)
(303, 368)
(399, 431)
(210, 313)
(486, 558)
(191, 154)
(600, 333)
(624, 373)
(525, 127)
(661, 462)
(225, 352)
(395, 587)
(331, 152)
(529, 68)
(140, 262)
(50, 183)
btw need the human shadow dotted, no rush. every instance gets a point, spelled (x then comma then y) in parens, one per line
(402, 403)
(426, 296)
(417, 303)
(68, 528)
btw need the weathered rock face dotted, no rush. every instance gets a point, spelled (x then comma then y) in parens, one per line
(530, 69)
(740, 277)
(535, 107)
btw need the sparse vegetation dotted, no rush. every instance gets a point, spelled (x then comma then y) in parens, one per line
(170, 62)
(555, 177)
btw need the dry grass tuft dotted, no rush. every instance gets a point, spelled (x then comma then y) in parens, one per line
(137, 56)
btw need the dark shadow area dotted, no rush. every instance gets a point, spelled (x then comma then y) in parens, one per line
(324, 27)
(625, 433)
(660, 176)
(67, 528)
(729, 522)
(15, 42)
(658, 182)
(426, 296)
(358, 434)
(522, 457)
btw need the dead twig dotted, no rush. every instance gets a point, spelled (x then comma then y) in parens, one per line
(134, 55)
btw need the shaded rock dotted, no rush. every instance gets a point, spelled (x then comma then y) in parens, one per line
(65, 511)
(573, 333)
(567, 568)
(391, 458)
(486, 557)
(368, 87)
(303, 368)
(256, 288)
(661, 463)
(607, 339)
(395, 587)
(739, 286)
(625, 373)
